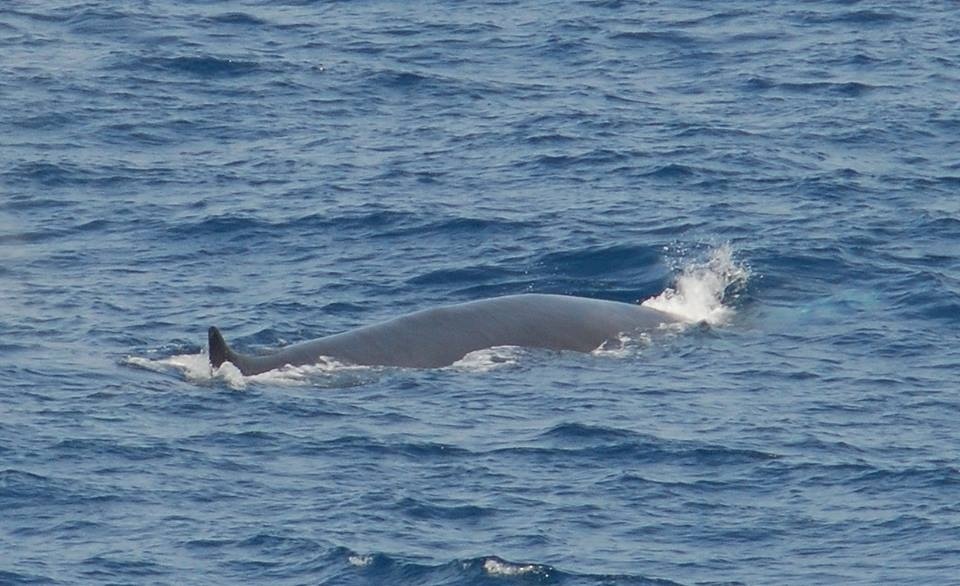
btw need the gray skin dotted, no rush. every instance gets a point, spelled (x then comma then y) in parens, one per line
(439, 337)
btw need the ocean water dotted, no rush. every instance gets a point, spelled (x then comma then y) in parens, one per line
(784, 174)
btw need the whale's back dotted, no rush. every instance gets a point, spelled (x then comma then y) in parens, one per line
(440, 336)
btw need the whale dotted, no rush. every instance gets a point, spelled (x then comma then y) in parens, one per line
(440, 336)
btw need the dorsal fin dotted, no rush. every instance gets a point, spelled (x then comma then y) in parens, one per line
(218, 347)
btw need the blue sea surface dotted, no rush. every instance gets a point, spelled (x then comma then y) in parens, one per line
(288, 169)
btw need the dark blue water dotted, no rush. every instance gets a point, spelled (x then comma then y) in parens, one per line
(287, 170)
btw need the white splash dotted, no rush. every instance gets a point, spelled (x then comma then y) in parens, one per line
(498, 567)
(194, 367)
(487, 359)
(699, 292)
(625, 345)
(360, 561)
(197, 368)
(325, 372)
